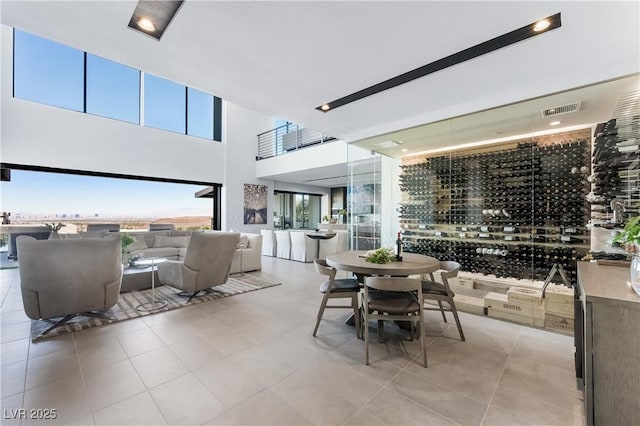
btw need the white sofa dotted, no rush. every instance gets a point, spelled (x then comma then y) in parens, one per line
(251, 254)
(172, 245)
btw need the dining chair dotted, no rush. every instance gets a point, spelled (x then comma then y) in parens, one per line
(332, 288)
(393, 299)
(441, 292)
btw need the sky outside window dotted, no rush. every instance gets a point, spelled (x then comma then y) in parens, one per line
(48, 72)
(57, 193)
(199, 114)
(164, 104)
(113, 90)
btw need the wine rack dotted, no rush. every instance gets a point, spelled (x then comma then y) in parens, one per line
(512, 210)
(616, 161)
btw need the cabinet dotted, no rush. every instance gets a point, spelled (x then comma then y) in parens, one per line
(611, 345)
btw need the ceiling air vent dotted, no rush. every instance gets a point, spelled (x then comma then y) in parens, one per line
(564, 109)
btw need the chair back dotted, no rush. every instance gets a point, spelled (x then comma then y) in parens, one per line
(210, 255)
(283, 244)
(323, 269)
(394, 284)
(449, 268)
(268, 242)
(303, 248)
(60, 277)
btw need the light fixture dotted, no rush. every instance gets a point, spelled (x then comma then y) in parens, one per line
(405, 150)
(153, 17)
(325, 107)
(541, 25)
(504, 40)
(146, 24)
(554, 123)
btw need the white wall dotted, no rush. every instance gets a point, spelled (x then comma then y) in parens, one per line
(40, 135)
(35, 134)
(241, 129)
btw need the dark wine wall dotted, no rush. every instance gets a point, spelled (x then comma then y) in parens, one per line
(512, 210)
(616, 167)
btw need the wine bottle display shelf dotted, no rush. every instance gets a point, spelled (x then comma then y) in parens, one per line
(616, 161)
(512, 210)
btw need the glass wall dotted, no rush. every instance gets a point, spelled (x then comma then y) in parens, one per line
(510, 210)
(373, 200)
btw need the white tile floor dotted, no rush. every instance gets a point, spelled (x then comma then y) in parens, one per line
(250, 359)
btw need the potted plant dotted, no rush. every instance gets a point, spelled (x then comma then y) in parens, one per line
(325, 219)
(126, 240)
(342, 214)
(631, 235)
(54, 228)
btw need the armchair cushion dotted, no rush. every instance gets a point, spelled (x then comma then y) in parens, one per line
(206, 262)
(62, 277)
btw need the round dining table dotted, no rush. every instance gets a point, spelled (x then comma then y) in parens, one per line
(411, 264)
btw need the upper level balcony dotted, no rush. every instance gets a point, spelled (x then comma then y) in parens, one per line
(286, 138)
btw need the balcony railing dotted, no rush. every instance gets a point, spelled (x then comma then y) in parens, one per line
(288, 137)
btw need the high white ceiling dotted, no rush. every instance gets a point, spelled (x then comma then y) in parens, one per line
(286, 58)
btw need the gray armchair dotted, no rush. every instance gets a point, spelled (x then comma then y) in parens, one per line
(206, 263)
(68, 278)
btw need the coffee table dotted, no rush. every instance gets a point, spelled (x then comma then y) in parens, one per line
(153, 305)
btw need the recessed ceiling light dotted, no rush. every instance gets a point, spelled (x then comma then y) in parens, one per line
(325, 107)
(146, 24)
(405, 150)
(554, 123)
(541, 25)
(152, 17)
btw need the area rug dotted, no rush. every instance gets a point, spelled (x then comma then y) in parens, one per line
(126, 307)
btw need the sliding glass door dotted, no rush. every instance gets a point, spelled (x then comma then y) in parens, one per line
(296, 210)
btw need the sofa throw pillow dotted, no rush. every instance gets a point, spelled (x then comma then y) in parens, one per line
(162, 241)
(139, 243)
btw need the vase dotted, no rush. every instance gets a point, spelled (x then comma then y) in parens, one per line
(635, 274)
(54, 235)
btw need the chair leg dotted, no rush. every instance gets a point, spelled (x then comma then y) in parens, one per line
(442, 311)
(325, 298)
(455, 316)
(59, 323)
(424, 351)
(356, 313)
(380, 329)
(366, 336)
(97, 315)
(189, 295)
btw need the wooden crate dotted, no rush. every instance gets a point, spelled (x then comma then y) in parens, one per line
(527, 296)
(500, 302)
(558, 323)
(559, 300)
(513, 317)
